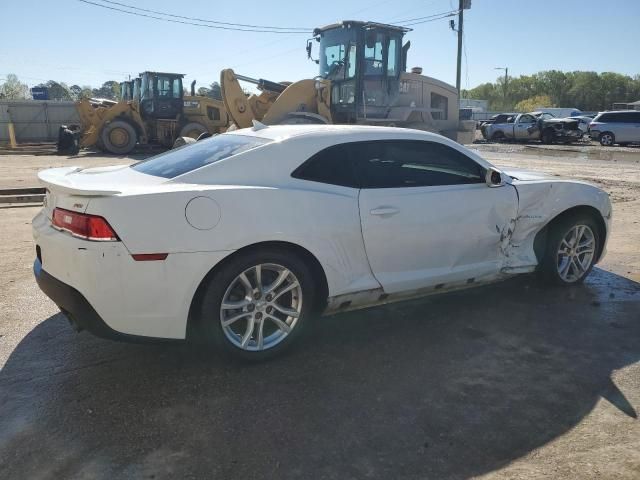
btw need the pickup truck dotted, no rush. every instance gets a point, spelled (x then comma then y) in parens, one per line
(497, 118)
(535, 126)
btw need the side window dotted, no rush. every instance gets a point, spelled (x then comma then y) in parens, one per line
(177, 88)
(332, 165)
(352, 60)
(526, 119)
(396, 164)
(163, 86)
(392, 58)
(373, 56)
(213, 113)
(439, 106)
(629, 117)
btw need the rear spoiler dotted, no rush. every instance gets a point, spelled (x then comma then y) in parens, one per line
(57, 180)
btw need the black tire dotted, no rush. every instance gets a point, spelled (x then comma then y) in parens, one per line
(209, 317)
(193, 130)
(99, 145)
(547, 136)
(119, 137)
(498, 137)
(607, 139)
(548, 268)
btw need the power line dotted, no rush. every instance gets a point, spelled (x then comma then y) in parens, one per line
(428, 17)
(305, 29)
(409, 11)
(217, 27)
(409, 23)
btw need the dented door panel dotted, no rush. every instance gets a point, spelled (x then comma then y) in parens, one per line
(426, 236)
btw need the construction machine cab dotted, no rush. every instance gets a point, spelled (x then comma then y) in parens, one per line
(161, 95)
(137, 83)
(363, 61)
(126, 91)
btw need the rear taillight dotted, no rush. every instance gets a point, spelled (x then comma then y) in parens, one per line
(89, 227)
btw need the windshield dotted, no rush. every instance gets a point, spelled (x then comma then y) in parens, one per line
(338, 54)
(192, 156)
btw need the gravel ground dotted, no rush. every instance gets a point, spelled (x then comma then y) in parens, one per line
(509, 381)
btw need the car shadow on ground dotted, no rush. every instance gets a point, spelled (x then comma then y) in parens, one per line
(444, 387)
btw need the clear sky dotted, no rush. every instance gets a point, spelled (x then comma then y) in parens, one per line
(77, 43)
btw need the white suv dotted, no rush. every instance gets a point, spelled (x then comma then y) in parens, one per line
(622, 127)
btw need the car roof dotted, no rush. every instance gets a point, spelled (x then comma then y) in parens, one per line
(618, 111)
(282, 132)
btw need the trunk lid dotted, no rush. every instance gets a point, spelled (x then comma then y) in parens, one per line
(72, 188)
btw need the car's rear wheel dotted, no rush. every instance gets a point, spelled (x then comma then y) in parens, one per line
(498, 137)
(607, 139)
(572, 248)
(258, 304)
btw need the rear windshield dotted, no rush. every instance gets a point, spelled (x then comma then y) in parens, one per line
(192, 156)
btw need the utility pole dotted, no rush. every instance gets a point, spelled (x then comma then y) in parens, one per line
(460, 23)
(504, 87)
(462, 6)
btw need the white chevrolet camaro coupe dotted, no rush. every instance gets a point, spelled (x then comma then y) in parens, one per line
(240, 239)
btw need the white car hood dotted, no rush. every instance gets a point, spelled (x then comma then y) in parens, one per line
(527, 175)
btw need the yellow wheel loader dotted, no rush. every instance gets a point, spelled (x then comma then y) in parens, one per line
(158, 112)
(362, 80)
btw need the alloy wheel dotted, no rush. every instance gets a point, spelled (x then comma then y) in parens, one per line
(576, 253)
(606, 139)
(261, 307)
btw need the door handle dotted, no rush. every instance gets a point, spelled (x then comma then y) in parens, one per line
(382, 211)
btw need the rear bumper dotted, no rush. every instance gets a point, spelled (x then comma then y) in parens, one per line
(78, 309)
(105, 291)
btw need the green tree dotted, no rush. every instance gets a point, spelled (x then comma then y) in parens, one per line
(531, 104)
(216, 91)
(57, 91)
(13, 88)
(110, 90)
(588, 91)
(213, 91)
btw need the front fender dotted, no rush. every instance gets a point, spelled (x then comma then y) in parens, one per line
(539, 202)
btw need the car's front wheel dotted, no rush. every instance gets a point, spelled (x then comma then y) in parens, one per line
(607, 139)
(547, 136)
(258, 303)
(572, 248)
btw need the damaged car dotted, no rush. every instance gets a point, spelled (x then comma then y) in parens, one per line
(242, 239)
(535, 126)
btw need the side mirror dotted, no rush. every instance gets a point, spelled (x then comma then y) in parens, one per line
(309, 47)
(493, 178)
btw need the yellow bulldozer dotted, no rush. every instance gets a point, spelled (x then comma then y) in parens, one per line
(362, 80)
(152, 110)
